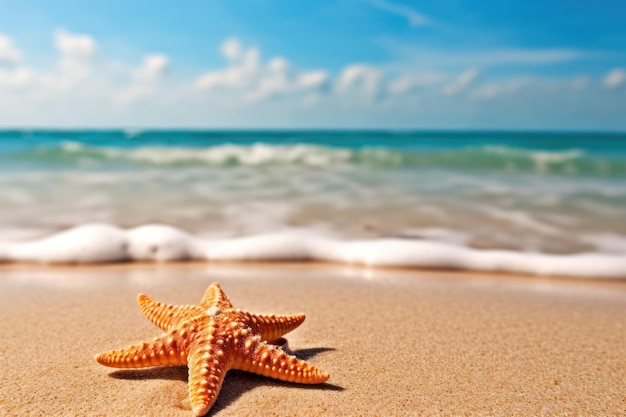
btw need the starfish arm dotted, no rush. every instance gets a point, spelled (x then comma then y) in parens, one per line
(165, 316)
(163, 350)
(273, 362)
(207, 368)
(272, 326)
(215, 297)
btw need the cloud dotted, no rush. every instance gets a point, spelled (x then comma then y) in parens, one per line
(17, 79)
(280, 80)
(9, 54)
(365, 80)
(77, 47)
(78, 52)
(461, 83)
(271, 81)
(408, 56)
(146, 79)
(232, 49)
(614, 78)
(154, 68)
(495, 89)
(80, 87)
(414, 17)
(409, 83)
(254, 80)
(243, 69)
(528, 56)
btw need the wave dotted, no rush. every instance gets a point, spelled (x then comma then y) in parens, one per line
(100, 243)
(479, 158)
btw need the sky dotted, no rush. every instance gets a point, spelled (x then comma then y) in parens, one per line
(391, 64)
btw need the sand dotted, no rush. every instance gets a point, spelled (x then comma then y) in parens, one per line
(394, 342)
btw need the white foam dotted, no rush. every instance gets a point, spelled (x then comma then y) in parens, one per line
(98, 243)
(288, 246)
(161, 243)
(253, 155)
(71, 146)
(93, 243)
(543, 160)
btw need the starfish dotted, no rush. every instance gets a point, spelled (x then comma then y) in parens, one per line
(211, 338)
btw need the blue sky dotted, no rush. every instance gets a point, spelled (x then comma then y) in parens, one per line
(323, 64)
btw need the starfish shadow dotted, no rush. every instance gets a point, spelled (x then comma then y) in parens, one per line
(237, 382)
(173, 373)
(305, 354)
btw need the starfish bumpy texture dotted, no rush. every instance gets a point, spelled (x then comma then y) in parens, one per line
(211, 338)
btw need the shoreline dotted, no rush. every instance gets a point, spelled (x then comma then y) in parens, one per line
(357, 269)
(97, 243)
(395, 342)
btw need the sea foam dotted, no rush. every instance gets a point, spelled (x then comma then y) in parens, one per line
(101, 243)
(570, 162)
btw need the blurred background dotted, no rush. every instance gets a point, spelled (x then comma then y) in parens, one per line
(483, 124)
(388, 64)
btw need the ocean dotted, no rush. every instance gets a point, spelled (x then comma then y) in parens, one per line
(531, 202)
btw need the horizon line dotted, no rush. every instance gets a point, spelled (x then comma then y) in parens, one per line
(309, 129)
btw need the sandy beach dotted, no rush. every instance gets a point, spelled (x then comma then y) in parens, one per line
(394, 342)
(438, 188)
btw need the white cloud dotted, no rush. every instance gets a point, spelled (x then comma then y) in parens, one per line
(495, 89)
(146, 79)
(9, 54)
(528, 56)
(408, 56)
(281, 81)
(232, 49)
(408, 83)
(273, 81)
(78, 52)
(17, 79)
(254, 81)
(615, 78)
(362, 79)
(243, 69)
(461, 83)
(78, 47)
(313, 80)
(414, 17)
(154, 68)
(80, 87)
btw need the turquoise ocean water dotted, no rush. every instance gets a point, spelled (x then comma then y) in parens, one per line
(546, 193)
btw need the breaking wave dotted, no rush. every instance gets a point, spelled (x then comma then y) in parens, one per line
(477, 158)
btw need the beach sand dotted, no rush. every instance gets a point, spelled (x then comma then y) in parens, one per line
(394, 342)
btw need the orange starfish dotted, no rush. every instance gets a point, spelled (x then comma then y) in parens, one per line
(211, 338)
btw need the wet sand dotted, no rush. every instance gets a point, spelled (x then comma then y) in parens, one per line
(394, 342)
